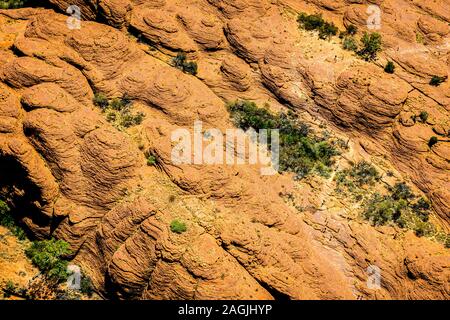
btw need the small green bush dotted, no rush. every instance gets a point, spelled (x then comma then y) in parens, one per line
(119, 111)
(436, 80)
(349, 43)
(180, 62)
(421, 209)
(371, 45)
(447, 241)
(49, 256)
(316, 22)
(300, 151)
(383, 209)
(401, 191)
(351, 29)
(423, 116)
(177, 226)
(433, 140)
(12, 4)
(7, 220)
(86, 286)
(328, 30)
(310, 22)
(390, 67)
(100, 100)
(151, 160)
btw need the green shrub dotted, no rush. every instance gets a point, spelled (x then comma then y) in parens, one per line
(86, 286)
(349, 43)
(119, 111)
(390, 67)
(310, 22)
(400, 208)
(351, 29)
(180, 62)
(100, 100)
(7, 220)
(12, 4)
(447, 241)
(423, 116)
(433, 140)
(436, 80)
(129, 119)
(151, 160)
(316, 22)
(423, 229)
(371, 45)
(383, 209)
(421, 209)
(49, 256)
(177, 226)
(300, 151)
(401, 191)
(328, 30)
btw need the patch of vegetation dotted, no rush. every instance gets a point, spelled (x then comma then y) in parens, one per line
(12, 289)
(119, 111)
(436, 80)
(181, 62)
(50, 257)
(447, 241)
(433, 140)
(177, 226)
(101, 100)
(402, 208)
(316, 22)
(419, 37)
(7, 220)
(371, 45)
(301, 152)
(151, 160)
(390, 67)
(12, 4)
(349, 43)
(351, 29)
(86, 286)
(359, 175)
(423, 116)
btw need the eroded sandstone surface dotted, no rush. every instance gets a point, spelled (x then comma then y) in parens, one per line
(72, 175)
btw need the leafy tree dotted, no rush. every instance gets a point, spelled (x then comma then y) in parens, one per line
(390, 67)
(327, 30)
(310, 22)
(49, 256)
(316, 22)
(371, 45)
(177, 226)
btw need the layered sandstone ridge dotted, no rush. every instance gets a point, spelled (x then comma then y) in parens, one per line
(76, 177)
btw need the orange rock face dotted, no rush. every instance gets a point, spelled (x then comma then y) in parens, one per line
(77, 178)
